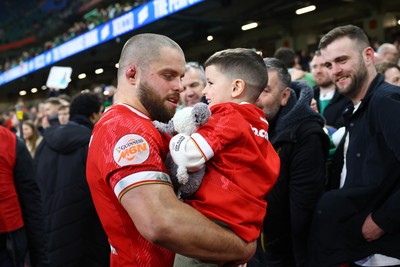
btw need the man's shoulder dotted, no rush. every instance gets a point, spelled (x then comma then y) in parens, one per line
(386, 97)
(386, 89)
(310, 127)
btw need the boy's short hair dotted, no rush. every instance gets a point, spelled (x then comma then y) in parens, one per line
(245, 64)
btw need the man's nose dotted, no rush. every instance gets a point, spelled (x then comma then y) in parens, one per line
(178, 86)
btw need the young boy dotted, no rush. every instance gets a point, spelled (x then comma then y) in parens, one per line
(241, 164)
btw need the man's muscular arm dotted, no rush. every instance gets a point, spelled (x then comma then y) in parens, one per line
(165, 221)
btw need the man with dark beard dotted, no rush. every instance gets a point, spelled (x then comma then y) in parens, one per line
(131, 188)
(360, 222)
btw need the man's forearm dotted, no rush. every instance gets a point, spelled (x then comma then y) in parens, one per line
(198, 237)
(165, 221)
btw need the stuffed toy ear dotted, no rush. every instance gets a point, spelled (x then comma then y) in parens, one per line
(165, 127)
(200, 113)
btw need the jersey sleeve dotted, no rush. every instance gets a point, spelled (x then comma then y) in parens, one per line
(220, 130)
(131, 152)
(194, 150)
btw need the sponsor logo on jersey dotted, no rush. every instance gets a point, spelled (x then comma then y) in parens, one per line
(131, 149)
(260, 132)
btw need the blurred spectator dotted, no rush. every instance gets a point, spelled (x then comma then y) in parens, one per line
(193, 84)
(304, 60)
(41, 19)
(288, 57)
(21, 221)
(32, 112)
(39, 117)
(51, 106)
(31, 136)
(388, 52)
(98, 90)
(330, 103)
(63, 113)
(76, 237)
(109, 93)
(8, 119)
(390, 71)
(314, 105)
(64, 98)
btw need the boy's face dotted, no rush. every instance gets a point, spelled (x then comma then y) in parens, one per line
(219, 87)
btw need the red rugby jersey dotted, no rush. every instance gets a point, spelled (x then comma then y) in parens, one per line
(242, 169)
(125, 151)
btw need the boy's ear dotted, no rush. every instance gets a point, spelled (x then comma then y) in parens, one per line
(238, 88)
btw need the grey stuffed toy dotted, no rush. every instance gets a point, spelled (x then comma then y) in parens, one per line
(186, 121)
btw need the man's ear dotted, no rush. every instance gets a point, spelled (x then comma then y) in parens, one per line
(238, 87)
(285, 96)
(131, 74)
(368, 54)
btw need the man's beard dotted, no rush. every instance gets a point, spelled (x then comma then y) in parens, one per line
(271, 112)
(358, 80)
(326, 83)
(154, 104)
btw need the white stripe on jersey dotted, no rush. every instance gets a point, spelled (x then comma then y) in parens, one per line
(204, 146)
(140, 177)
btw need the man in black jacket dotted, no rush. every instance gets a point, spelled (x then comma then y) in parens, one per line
(360, 222)
(21, 221)
(296, 132)
(76, 237)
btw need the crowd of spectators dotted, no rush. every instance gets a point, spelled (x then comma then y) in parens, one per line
(49, 25)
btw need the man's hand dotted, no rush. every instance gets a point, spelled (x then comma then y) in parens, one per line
(370, 230)
(251, 247)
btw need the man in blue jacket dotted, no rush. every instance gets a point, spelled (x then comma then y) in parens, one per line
(360, 222)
